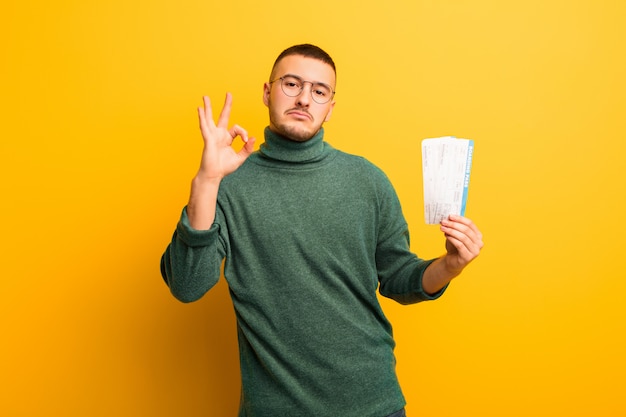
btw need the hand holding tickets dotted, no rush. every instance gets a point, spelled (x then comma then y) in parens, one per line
(446, 165)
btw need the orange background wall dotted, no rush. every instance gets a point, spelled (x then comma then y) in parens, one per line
(99, 142)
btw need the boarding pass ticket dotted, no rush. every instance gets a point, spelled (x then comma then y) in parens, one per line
(446, 166)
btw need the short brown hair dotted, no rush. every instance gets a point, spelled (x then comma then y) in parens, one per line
(309, 51)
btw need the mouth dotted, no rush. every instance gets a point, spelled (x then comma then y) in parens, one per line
(299, 114)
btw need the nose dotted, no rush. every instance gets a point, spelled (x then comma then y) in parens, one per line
(305, 97)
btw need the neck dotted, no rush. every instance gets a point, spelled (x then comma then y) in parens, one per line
(281, 148)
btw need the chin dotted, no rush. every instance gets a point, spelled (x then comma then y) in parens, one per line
(296, 134)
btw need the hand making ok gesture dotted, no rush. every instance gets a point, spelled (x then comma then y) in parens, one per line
(218, 157)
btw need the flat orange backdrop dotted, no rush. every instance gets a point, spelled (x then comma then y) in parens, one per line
(100, 141)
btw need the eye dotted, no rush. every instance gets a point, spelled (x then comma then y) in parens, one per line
(321, 90)
(292, 83)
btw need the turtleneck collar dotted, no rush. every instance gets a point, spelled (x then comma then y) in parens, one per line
(280, 148)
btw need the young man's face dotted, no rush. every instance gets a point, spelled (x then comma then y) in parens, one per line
(298, 118)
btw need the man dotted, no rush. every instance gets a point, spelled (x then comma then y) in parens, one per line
(308, 234)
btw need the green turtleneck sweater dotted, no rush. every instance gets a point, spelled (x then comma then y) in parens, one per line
(308, 234)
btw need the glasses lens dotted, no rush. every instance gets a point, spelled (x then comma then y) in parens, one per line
(291, 86)
(321, 93)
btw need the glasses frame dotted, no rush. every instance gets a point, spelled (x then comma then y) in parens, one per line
(303, 82)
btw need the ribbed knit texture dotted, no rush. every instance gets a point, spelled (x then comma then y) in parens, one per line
(309, 234)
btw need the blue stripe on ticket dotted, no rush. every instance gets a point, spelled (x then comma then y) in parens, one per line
(468, 169)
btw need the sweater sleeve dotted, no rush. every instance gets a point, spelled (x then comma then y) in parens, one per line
(191, 264)
(400, 271)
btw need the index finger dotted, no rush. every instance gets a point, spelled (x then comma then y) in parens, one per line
(225, 114)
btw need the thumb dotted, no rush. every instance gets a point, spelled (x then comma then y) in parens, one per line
(248, 148)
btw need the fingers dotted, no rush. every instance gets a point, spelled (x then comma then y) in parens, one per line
(225, 114)
(202, 120)
(237, 130)
(206, 113)
(463, 226)
(208, 126)
(464, 235)
(248, 148)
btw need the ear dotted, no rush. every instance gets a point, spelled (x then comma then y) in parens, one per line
(266, 93)
(330, 111)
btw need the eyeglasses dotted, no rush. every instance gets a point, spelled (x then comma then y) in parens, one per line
(292, 86)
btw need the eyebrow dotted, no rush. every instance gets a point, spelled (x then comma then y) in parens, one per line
(302, 79)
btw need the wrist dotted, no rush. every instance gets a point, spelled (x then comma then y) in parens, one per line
(204, 181)
(437, 275)
(450, 266)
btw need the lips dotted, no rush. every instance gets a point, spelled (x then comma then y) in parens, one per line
(299, 113)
